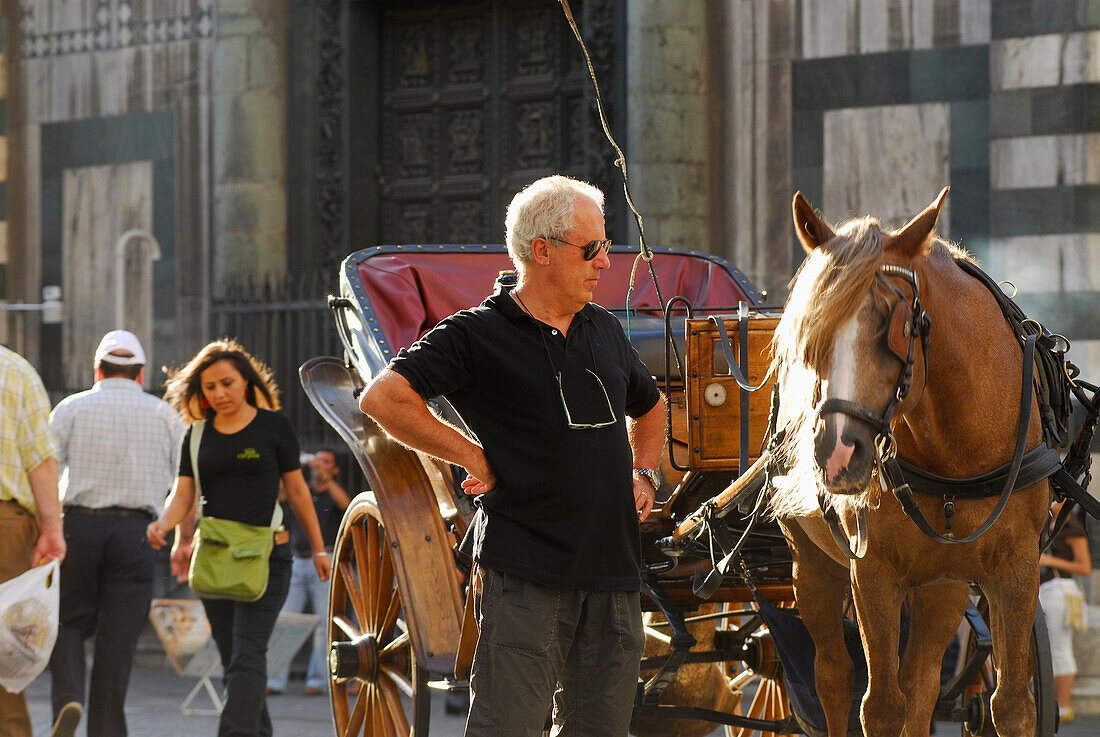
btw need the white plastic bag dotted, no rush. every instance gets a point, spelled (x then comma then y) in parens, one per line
(30, 605)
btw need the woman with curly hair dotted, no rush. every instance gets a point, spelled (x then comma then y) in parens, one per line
(246, 449)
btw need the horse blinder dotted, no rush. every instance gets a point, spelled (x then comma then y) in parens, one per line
(900, 330)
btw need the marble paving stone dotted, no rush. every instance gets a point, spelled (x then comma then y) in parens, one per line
(1016, 18)
(1045, 61)
(888, 162)
(1010, 113)
(1041, 211)
(1075, 315)
(949, 74)
(969, 134)
(1048, 263)
(654, 13)
(883, 79)
(875, 27)
(1045, 161)
(807, 145)
(974, 21)
(1085, 354)
(1069, 109)
(969, 215)
(829, 28)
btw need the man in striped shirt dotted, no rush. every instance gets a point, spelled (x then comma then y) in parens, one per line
(119, 449)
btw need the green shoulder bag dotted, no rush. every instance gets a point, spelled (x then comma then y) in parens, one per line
(229, 559)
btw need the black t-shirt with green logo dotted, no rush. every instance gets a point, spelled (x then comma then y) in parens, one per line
(240, 472)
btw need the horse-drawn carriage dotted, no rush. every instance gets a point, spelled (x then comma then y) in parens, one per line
(725, 644)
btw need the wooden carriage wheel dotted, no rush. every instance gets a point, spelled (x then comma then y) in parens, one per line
(376, 686)
(762, 674)
(976, 696)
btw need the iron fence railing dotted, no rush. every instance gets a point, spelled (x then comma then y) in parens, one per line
(285, 322)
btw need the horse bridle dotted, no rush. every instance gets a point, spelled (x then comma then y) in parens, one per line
(908, 323)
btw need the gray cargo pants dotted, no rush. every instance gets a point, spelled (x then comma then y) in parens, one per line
(581, 649)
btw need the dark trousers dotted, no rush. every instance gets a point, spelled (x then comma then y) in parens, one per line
(106, 587)
(579, 649)
(241, 631)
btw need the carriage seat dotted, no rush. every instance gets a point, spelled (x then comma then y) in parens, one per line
(647, 335)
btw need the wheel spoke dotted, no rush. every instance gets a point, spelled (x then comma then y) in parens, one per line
(355, 593)
(363, 569)
(373, 558)
(390, 620)
(346, 627)
(385, 589)
(402, 682)
(401, 642)
(355, 721)
(396, 708)
(381, 713)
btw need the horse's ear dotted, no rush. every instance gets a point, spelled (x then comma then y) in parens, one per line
(911, 238)
(812, 231)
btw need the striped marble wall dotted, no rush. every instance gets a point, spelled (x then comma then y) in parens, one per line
(870, 106)
(1045, 174)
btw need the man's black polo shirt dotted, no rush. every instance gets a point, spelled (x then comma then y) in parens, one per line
(562, 513)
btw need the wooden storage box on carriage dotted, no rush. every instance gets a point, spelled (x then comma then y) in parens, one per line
(396, 614)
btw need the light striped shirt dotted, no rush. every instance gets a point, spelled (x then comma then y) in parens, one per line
(25, 439)
(119, 446)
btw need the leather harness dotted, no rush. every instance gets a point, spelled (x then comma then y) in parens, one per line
(908, 323)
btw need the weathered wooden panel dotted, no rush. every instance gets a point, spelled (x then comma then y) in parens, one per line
(714, 397)
(100, 204)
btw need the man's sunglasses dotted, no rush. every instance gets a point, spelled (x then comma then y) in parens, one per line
(591, 249)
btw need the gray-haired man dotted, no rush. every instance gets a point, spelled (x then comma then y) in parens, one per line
(562, 409)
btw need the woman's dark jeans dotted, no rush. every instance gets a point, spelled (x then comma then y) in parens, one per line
(242, 631)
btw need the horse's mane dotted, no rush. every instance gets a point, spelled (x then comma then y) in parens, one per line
(827, 291)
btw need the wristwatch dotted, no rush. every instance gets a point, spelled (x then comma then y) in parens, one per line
(652, 475)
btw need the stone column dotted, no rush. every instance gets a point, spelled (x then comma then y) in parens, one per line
(249, 113)
(667, 126)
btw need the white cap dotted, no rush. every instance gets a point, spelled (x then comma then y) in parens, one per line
(120, 340)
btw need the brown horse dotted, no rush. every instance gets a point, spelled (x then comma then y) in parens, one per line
(958, 420)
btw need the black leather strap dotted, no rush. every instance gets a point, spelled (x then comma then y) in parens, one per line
(1039, 463)
(830, 516)
(731, 361)
(904, 494)
(856, 410)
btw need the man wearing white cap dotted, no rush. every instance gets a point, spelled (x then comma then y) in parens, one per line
(119, 450)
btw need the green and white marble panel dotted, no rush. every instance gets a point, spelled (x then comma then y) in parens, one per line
(1047, 263)
(1045, 61)
(1044, 161)
(888, 162)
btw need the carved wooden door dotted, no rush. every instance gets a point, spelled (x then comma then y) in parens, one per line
(478, 99)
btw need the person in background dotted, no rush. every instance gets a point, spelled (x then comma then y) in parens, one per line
(1063, 603)
(562, 409)
(118, 454)
(247, 448)
(329, 501)
(30, 514)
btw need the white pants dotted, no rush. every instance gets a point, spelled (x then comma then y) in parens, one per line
(1054, 596)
